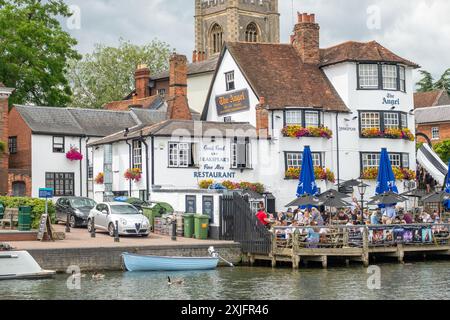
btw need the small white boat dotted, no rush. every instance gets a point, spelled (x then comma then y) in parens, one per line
(21, 265)
(134, 262)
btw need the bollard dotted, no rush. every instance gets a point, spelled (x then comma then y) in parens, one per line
(116, 232)
(68, 223)
(174, 230)
(93, 227)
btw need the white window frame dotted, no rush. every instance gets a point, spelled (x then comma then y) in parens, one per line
(368, 76)
(229, 81)
(402, 76)
(435, 133)
(370, 120)
(294, 117)
(312, 119)
(370, 160)
(391, 120)
(396, 159)
(294, 160)
(179, 154)
(390, 76)
(137, 154)
(234, 155)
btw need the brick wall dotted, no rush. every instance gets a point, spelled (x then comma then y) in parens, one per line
(18, 128)
(4, 137)
(19, 177)
(306, 38)
(444, 132)
(178, 107)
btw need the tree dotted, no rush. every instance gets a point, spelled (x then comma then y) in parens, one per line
(108, 73)
(443, 150)
(2, 147)
(427, 82)
(34, 51)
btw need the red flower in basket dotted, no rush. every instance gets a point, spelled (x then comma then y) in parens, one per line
(99, 178)
(133, 174)
(74, 155)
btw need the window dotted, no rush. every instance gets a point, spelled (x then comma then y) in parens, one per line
(12, 145)
(191, 204)
(389, 77)
(137, 155)
(182, 155)
(404, 120)
(58, 145)
(294, 160)
(391, 120)
(368, 76)
(311, 119)
(293, 117)
(216, 38)
(251, 33)
(161, 92)
(241, 154)
(61, 183)
(435, 133)
(402, 79)
(372, 160)
(208, 207)
(370, 120)
(229, 80)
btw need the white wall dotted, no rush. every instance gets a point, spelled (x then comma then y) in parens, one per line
(198, 86)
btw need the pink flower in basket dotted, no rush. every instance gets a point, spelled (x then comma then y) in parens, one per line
(74, 155)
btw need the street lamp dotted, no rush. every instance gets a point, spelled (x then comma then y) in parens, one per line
(362, 187)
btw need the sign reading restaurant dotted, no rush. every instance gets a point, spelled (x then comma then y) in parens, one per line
(232, 102)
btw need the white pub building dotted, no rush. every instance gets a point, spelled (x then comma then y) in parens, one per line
(265, 103)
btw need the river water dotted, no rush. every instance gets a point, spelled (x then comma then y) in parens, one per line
(420, 280)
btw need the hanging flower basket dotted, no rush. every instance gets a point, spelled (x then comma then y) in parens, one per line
(99, 179)
(74, 155)
(296, 131)
(399, 173)
(229, 185)
(133, 174)
(404, 134)
(319, 173)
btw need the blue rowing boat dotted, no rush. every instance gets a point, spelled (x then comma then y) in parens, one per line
(134, 262)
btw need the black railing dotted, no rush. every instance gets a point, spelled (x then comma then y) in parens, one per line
(239, 224)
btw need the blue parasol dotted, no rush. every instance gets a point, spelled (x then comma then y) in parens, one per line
(307, 183)
(386, 177)
(447, 187)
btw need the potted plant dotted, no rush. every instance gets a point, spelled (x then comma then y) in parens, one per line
(74, 155)
(99, 178)
(133, 174)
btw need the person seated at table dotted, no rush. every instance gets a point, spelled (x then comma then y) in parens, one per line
(281, 217)
(342, 217)
(262, 216)
(389, 214)
(426, 217)
(408, 217)
(289, 214)
(375, 217)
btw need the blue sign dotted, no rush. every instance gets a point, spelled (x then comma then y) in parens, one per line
(45, 193)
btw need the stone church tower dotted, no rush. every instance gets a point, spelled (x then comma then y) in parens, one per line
(217, 21)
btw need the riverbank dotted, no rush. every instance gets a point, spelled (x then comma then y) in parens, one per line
(102, 253)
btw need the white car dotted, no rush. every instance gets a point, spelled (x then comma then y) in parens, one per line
(131, 220)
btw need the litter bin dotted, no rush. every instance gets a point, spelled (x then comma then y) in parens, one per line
(24, 219)
(201, 226)
(2, 210)
(148, 212)
(188, 225)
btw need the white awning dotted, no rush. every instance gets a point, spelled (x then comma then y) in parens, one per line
(431, 162)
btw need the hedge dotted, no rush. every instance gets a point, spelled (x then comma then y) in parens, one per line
(37, 208)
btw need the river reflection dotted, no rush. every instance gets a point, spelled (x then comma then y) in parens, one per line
(421, 280)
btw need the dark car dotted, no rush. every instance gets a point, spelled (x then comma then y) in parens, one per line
(77, 208)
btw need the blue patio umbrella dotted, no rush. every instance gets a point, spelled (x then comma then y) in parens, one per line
(447, 187)
(307, 183)
(386, 177)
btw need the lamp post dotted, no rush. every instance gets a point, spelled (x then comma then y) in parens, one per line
(362, 187)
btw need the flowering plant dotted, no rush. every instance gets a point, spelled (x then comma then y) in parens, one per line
(296, 131)
(230, 185)
(99, 178)
(399, 173)
(74, 155)
(404, 134)
(319, 173)
(133, 174)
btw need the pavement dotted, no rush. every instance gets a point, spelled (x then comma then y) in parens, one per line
(81, 238)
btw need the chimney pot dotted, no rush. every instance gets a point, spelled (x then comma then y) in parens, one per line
(312, 18)
(194, 56)
(142, 78)
(178, 107)
(306, 39)
(305, 17)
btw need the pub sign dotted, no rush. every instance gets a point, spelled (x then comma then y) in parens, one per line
(232, 102)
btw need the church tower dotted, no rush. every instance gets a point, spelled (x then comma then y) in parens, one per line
(217, 21)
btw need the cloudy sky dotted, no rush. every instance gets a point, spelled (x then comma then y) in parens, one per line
(418, 30)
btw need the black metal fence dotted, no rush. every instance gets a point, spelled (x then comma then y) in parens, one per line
(238, 223)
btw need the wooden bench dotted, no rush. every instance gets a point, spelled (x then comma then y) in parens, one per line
(11, 217)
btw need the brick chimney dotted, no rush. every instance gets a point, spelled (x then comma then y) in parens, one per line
(306, 38)
(262, 118)
(142, 78)
(4, 135)
(178, 107)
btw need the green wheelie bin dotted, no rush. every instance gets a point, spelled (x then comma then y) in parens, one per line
(188, 225)
(24, 219)
(201, 226)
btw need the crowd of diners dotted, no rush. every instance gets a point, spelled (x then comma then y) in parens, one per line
(347, 216)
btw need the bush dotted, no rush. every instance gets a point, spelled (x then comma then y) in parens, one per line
(2, 147)
(37, 208)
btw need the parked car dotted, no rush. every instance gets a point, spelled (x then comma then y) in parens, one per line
(78, 208)
(131, 220)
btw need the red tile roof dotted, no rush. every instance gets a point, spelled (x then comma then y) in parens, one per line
(125, 105)
(431, 99)
(277, 73)
(361, 51)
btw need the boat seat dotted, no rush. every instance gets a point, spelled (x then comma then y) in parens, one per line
(11, 217)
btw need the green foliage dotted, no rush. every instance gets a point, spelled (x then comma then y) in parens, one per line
(108, 73)
(34, 51)
(419, 145)
(37, 207)
(2, 147)
(427, 82)
(443, 150)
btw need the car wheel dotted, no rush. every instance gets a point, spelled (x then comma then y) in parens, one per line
(72, 222)
(111, 229)
(89, 226)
